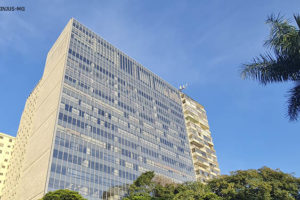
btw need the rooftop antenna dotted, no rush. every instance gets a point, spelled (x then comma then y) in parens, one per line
(182, 87)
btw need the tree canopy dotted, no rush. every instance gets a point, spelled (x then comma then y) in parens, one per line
(283, 63)
(63, 195)
(261, 184)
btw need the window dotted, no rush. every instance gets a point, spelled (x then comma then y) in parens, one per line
(10, 140)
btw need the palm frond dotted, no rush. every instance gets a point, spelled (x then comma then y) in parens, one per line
(297, 19)
(271, 19)
(281, 34)
(257, 70)
(294, 102)
(267, 69)
(284, 62)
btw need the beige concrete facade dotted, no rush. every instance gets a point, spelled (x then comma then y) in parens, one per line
(28, 171)
(6, 148)
(202, 147)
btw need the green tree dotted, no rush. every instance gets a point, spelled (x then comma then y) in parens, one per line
(164, 192)
(283, 64)
(142, 187)
(261, 184)
(63, 195)
(150, 187)
(193, 191)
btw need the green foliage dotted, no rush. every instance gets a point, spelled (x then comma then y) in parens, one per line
(261, 184)
(63, 195)
(194, 190)
(146, 188)
(283, 64)
(142, 187)
(164, 192)
(144, 179)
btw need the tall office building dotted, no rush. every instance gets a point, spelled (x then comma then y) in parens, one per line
(95, 121)
(6, 147)
(202, 147)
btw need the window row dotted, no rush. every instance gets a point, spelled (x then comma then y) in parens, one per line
(88, 88)
(82, 162)
(81, 124)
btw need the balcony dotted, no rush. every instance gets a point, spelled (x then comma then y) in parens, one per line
(200, 161)
(196, 141)
(192, 119)
(204, 127)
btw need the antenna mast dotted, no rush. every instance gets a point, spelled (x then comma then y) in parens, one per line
(182, 87)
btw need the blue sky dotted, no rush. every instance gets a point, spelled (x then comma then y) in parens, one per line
(201, 43)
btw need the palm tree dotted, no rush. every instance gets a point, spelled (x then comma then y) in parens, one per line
(281, 65)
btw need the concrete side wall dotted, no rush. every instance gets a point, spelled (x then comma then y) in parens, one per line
(36, 149)
(17, 158)
(36, 163)
(57, 50)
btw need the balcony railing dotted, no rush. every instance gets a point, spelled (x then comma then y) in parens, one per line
(198, 141)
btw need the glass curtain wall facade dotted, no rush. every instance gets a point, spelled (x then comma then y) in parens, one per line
(114, 120)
